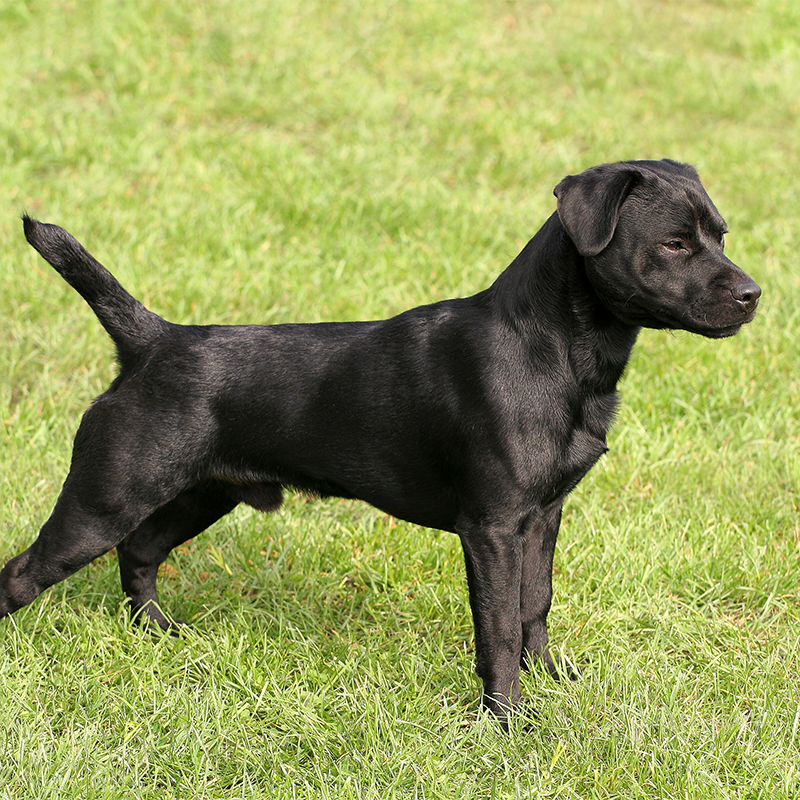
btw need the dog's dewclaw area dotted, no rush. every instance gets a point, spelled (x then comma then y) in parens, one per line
(309, 163)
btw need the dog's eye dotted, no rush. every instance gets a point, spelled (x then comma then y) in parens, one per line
(674, 245)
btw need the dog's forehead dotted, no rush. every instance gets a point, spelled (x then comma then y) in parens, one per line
(680, 199)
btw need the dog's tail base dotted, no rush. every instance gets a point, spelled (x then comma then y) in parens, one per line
(129, 324)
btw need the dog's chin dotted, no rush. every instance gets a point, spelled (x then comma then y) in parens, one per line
(696, 327)
(691, 326)
(720, 333)
(722, 328)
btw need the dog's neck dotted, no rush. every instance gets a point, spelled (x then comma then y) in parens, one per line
(548, 281)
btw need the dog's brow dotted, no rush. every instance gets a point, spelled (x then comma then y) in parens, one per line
(707, 215)
(714, 225)
(699, 214)
(685, 217)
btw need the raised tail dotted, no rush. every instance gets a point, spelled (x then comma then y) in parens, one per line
(129, 324)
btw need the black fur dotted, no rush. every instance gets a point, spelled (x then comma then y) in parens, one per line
(475, 415)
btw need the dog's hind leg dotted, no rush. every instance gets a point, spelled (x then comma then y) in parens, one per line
(76, 533)
(119, 477)
(142, 551)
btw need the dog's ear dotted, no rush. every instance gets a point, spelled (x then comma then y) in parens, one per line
(589, 204)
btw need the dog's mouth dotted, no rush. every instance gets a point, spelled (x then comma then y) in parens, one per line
(722, 323)
(714, 325)
(715, 317)
(737, 307)
(718, 310)
(711, 329)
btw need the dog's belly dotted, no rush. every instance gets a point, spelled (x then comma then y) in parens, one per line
(437, 510)
(418, 497)
(416, 483)
(412, 489)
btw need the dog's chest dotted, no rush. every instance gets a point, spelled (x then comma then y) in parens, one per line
(580, 448)
(596, 413)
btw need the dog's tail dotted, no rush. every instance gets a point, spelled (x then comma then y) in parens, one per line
(129, 324)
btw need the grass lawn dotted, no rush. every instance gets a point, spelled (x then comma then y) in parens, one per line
(276, 161)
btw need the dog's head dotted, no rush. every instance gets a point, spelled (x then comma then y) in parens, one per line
(653, 244)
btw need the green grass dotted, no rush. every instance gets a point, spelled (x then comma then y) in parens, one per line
(273, 160)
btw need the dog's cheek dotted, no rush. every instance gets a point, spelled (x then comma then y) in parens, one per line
(611, 276)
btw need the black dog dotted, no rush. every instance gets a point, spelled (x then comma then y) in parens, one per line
(475, 415)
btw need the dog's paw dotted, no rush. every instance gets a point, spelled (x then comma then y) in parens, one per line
(522, 717)
(152, 619)
(558, 667)
(561, 668)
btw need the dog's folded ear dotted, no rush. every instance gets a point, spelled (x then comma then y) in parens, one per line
(589, 204)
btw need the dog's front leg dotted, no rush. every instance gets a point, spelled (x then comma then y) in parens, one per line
(536, 590)
(493, 556)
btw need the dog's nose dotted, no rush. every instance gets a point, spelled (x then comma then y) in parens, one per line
(747, 294)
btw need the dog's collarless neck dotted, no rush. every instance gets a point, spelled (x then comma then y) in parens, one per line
(547, 287)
